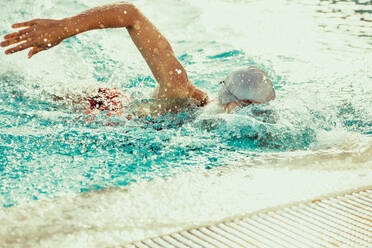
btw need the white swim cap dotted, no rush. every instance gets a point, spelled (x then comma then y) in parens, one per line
(249, 83)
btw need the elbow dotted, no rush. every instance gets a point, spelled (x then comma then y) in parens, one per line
(130, 12)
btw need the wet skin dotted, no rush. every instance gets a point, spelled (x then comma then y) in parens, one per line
(173, 83)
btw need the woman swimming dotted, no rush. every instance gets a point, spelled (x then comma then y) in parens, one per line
(241, 87)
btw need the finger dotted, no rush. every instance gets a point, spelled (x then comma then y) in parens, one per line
(19, 33)
(14, 40)
(34, 51)
(24, 24)
(18, 48)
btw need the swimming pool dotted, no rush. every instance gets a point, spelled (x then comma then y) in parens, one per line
(318, 56)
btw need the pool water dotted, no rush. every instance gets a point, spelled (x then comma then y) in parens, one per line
(317, 54)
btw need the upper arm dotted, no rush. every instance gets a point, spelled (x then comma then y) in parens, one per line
(159, 55)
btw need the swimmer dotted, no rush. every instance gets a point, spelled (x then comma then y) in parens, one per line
(242, 87)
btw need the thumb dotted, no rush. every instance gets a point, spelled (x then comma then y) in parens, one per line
(34, 51)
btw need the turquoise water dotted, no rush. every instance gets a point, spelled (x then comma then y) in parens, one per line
(318, 56)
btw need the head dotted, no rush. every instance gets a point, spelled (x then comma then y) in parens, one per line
(244, 87)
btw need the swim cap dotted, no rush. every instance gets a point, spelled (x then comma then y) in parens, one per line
(249, 83)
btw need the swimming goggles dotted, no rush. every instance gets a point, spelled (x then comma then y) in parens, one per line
(237, 100)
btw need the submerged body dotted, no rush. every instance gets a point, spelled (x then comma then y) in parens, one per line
(174, 90)
(114, 102)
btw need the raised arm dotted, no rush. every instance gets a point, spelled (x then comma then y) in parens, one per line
(43, 34)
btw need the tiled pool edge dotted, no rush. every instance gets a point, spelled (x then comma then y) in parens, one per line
(337, 219)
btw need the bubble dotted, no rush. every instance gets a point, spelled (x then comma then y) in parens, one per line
(45, 39)
(137, 26)
(178, 71)
(125, 12)
(49, 45)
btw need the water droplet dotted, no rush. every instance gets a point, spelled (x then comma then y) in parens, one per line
(49, 45)
(125, 12)
(178, 71)
(45, 39)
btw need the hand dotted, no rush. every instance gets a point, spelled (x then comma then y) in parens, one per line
(39, 34)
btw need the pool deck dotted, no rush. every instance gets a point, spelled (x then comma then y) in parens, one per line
(215, 199)
(342, 220)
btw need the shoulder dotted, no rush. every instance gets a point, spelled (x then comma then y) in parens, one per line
(184, 91)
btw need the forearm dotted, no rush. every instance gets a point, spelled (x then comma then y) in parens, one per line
(107, 16)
